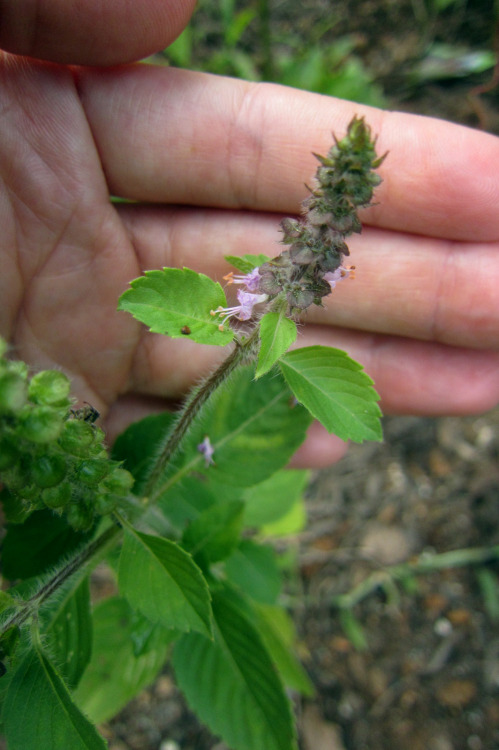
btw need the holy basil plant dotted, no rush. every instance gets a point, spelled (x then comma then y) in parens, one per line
(183, 509)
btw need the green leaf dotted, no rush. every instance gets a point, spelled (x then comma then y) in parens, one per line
(272, 499)
(215, 533)
(116, 673)
(6, 601)
(277, 630)
(139, 443)
(277, 333)
(253, 568)
(254, 427)
(246, 263)
(292, 522)
(232, 683)
(68, 632)
(39, 712)
(178, 302)
(335, 390)
(185, 501)
(163, 582)
(13, 511)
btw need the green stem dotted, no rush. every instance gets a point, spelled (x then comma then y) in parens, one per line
(424, 564)
(243, 351)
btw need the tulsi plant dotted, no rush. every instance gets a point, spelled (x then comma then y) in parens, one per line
(183, 507)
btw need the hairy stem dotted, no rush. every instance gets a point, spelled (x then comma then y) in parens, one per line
(243, 351)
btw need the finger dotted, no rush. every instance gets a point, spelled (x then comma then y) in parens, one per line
(419, 377)
(319, 450)
(404, 285)
(92, 32)
(412, 377)
(198, 139)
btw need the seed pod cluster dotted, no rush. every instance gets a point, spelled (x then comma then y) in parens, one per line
(344, 182)
(50, 455)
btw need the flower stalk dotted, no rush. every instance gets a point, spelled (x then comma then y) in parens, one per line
(303, 274)
(244, 351)
(312, 264)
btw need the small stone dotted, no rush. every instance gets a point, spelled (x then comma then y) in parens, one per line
(443, 627)
(456, 693)
(459, 617)
(164, 687)
(440, 742)
(318, 734)
(169, 745)
(387, 545)
(435, 603)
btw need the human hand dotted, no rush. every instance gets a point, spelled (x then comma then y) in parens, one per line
(222, 161)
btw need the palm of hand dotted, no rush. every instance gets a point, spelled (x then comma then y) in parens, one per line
(424, 326)
(66, 255)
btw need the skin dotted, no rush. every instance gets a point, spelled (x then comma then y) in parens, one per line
(214, 164)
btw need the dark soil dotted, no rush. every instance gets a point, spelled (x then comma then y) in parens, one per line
(429, 676)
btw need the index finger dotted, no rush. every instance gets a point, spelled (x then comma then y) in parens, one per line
(175, 136)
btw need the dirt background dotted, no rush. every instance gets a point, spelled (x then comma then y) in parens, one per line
(429, 676)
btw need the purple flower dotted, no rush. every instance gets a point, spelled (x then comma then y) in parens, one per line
(250, 280)
(207, 450)
(242, 311)
(342, 272)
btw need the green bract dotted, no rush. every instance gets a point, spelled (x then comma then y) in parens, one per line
(277, 333)
(50, 387)
(41, 424)
(13, 393)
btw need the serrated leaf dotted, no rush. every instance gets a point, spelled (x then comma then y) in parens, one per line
(178, 302)
(215, 533)
(115, 673)
(254, 427)
(246, 263)
(163, 582)
(185, 501)
(232, 684)
(39, 712)
(277, 333)
(68, 631)
(272, 499)
(336, 391)
(253, 569)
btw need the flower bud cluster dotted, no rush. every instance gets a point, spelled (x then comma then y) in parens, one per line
(312, 263)
(50, 455)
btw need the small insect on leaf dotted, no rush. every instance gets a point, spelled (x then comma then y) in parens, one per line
(185, 330)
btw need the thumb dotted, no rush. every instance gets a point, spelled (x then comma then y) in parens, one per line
(91, 32)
